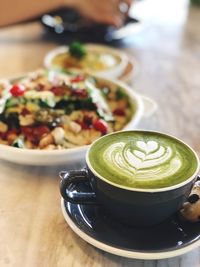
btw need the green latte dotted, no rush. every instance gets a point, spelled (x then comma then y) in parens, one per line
(141, 159)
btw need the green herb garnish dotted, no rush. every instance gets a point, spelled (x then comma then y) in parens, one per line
(120, 94)
(77, 50)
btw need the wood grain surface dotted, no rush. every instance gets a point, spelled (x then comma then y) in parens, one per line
(32, 229)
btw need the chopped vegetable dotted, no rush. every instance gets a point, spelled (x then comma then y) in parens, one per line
(5, 95)
(17, 90)
(45, 97)
(19, 142)
(101, 125)
(97, 98)
(77, 50)
(51, 110)
(78, 78)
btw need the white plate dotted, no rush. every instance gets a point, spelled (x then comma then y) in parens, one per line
(75, 155)
(113, 72)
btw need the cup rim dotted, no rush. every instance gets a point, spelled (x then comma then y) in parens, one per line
(150, 190)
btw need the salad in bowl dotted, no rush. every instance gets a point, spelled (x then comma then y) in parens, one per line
(47, 116)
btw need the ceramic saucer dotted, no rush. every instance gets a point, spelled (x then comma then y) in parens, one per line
(168, 239)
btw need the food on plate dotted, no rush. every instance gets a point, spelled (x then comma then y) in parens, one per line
(51, 110)
(191, 208)
(98, 59)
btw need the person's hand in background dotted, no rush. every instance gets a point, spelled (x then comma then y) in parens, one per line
(112, 12)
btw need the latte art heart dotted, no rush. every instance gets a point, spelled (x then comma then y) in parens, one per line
(140, 159)
(143, 160)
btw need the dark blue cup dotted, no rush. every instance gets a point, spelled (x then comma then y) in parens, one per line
(138, 207)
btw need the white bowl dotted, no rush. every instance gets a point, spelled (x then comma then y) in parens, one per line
(75, 155)
(113, 72)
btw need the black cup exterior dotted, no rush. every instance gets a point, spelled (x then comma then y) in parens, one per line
(139, 208)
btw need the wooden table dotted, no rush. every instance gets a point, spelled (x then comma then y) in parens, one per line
(32, 229)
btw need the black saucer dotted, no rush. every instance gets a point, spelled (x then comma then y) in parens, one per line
(168, 239)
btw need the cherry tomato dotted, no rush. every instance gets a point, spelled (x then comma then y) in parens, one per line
(101, 126)
(77, 79)
(17, 90)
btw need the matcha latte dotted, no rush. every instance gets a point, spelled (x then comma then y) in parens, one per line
(142, 159)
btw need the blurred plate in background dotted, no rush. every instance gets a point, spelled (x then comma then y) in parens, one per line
(99, 59)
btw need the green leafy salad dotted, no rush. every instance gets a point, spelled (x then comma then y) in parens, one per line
(51, 110)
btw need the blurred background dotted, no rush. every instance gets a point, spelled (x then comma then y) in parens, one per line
(150, 23)
(162, 41)
(162, 36)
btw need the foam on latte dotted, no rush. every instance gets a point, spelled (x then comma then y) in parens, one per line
(142, 159)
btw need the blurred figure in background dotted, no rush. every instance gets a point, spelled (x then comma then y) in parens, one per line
(111, 12)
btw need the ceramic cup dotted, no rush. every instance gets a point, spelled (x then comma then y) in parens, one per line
(142, 205)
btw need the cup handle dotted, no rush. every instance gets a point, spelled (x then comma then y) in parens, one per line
(68, 179)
